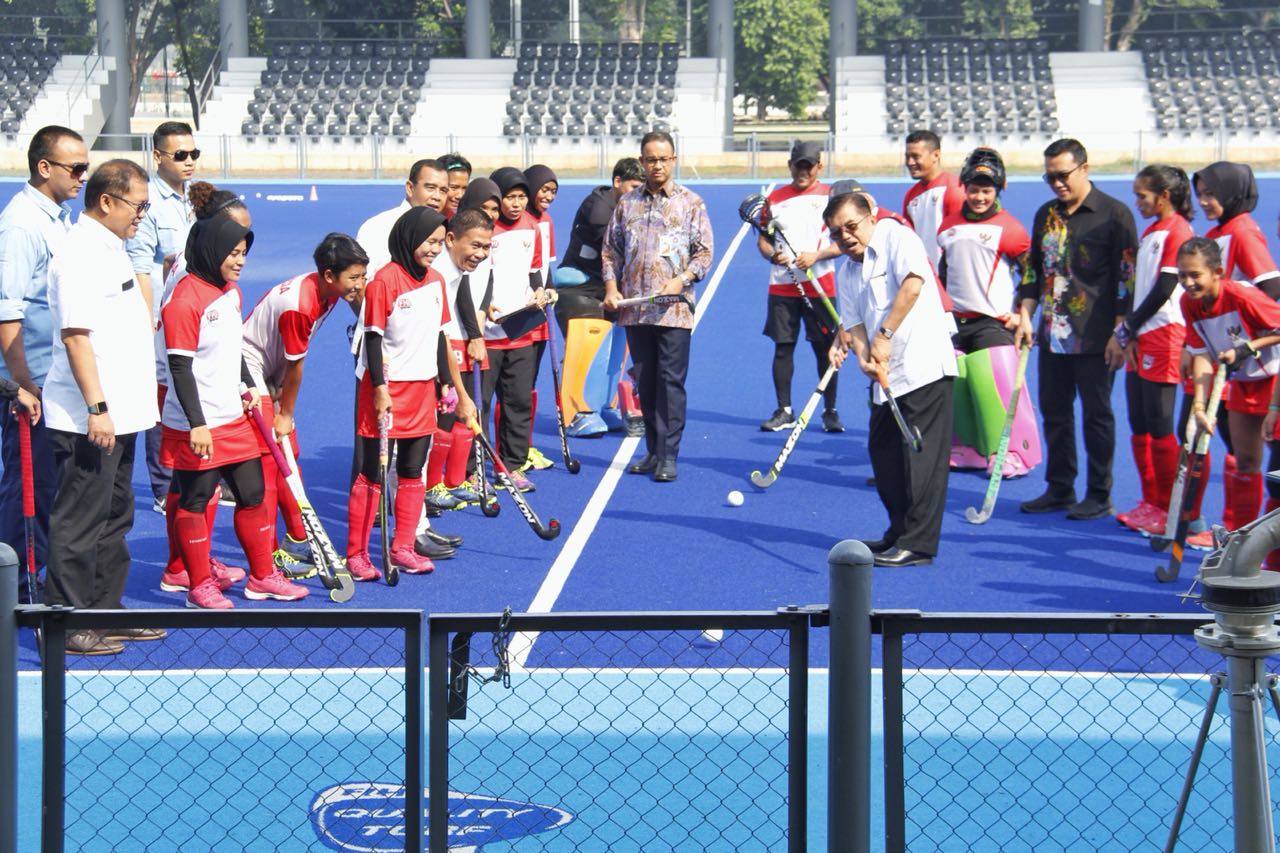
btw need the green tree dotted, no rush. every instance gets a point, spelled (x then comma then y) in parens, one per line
(780, 53)
(1132, 14)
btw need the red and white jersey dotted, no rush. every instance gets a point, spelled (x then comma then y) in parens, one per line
(202, 321)
(1158, 254)
(1240, 313)
(547, 230)
(515, 252)
(978, 255)
(279, 328)
(1245, 255)
(453, 276)
(798, 214)
(927, 204)
(409, 315)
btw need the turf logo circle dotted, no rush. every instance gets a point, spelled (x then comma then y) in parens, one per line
(368, 817)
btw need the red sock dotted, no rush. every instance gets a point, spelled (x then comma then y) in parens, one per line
(455, 471)
(270, 495)
(1141, 447)
(290, 510)
(1164, 466)
(362, 508)
(409, 499)
(257, 535)
(1206, 468)
(193, 541)
(1242, 498)
(441, 444)
(211, 508)
(170, 515)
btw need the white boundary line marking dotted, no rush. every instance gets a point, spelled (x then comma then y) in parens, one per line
(558, 574)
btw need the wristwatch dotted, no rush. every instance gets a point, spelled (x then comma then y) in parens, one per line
(887, 332)
(98, 408)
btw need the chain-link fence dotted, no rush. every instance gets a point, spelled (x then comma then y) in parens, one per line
(263, 730)
(1020, 733)
(624, 732)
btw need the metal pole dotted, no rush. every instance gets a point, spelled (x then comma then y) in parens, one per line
(849, 704)
(1092, 25)
(438, 740)
(798, 739)
(1251, 792)
(54, 771)
(8, 698)
(477, 29)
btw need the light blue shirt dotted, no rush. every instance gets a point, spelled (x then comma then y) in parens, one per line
(162, 232)
(32, 227)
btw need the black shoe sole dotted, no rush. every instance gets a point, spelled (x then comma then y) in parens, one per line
(1042, 508)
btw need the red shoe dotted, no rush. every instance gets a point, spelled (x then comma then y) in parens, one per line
(1141, 515)
(1153, 523)
(411, 562)
(1202, 541)
(361, 568)
(275, 586)
(225, 575)
(1123, 517)
(207, 596)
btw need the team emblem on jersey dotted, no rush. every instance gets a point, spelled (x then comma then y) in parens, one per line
(403, 303)
(1148, 362)
(211, 315)
(1234, 332)
(984, 237)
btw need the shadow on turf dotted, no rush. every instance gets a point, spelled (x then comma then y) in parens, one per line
(754, 534)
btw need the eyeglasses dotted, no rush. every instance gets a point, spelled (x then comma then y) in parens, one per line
(139, 207)
(850, 228)
(1060, 177)
(77, 170)
(657, 161)
(181, 156)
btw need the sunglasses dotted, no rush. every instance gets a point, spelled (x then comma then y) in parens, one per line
(139, 207)
(77, 170)
(181, 156)
(1059, 177)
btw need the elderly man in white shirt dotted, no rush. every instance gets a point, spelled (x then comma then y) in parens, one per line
(428, 186)
(101, 392)
(895, 322)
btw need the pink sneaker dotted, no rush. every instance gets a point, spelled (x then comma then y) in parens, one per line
(1134, 517)
(175, 581)
(411, 562)
(1153, 523)
(361, 568)
(207, 596)
(226, 575)
(1202, 541)
(275, 586)
(1012, 468)
(967, 459)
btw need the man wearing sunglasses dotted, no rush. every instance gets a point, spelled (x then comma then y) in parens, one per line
(161, 235)
(1083, 249)
(33, 224)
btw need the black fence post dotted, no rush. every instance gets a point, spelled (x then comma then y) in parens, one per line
(437, 738)
(414, 742)
(798, 739)
(8, 698)
(849, 709)
(53, 677)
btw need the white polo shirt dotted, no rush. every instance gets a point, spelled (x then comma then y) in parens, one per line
(92, 286)
(373, 235)
(921, 349)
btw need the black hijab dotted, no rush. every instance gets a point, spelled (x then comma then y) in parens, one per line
(1232, 184)
(478, 192)
(208, 244)
(411, 230)
(536, 177)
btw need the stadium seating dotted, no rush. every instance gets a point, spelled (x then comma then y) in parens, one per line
(1207, 81)
(970, 87)
(25, 64)
(339, 89)
(571, 90)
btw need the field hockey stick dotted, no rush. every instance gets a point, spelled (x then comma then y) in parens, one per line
(28, 499)
(980, 516)
(573, 465)
(547, 531)
(260, 423)
(910, 434)
(767, 479)
(756, 212)
(488, 500)
(1160, 543)
(1169, 572)
(331, 566)
(390, 569)
(658, 299)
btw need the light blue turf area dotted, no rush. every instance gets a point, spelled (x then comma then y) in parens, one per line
(623, 760)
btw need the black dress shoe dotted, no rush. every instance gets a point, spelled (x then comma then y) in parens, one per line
(647, 465)
(442, 538)
(432, 550)
(1090, 508)
(666, 471)
(896, 556)
(878, 546)
(1048, 502)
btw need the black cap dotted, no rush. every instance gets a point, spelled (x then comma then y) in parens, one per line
(846, 185)
(806, 152)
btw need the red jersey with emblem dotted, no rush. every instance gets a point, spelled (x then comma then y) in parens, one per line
(279, 328)
(1240, 313)
(978, 255)
(409, 315)
(202, 321)
(516, 251)
(1158, 255)
(927, 205)
(798, 214)
(1245, 255)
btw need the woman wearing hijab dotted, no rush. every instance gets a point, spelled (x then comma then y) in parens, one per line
(405, 310)
(207, 437)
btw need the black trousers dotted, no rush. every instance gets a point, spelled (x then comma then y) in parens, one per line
(660, 355)
(913, 486)
(511, 373)
(88, 555)
(1062, 379)
(44, 471)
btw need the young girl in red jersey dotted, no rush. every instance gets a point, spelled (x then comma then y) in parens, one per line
(1152, 336)
(1237, 325)
(405, 309)
(206, 434)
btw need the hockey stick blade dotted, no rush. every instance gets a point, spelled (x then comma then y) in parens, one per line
(547, 531)
(973, 515)
(571, 464)
(764, 481)
(330, 565)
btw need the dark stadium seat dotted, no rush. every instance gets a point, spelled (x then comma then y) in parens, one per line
(247, 128)
(511, 128)
(589, 51)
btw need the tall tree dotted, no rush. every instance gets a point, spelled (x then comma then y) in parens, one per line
(780, 53)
